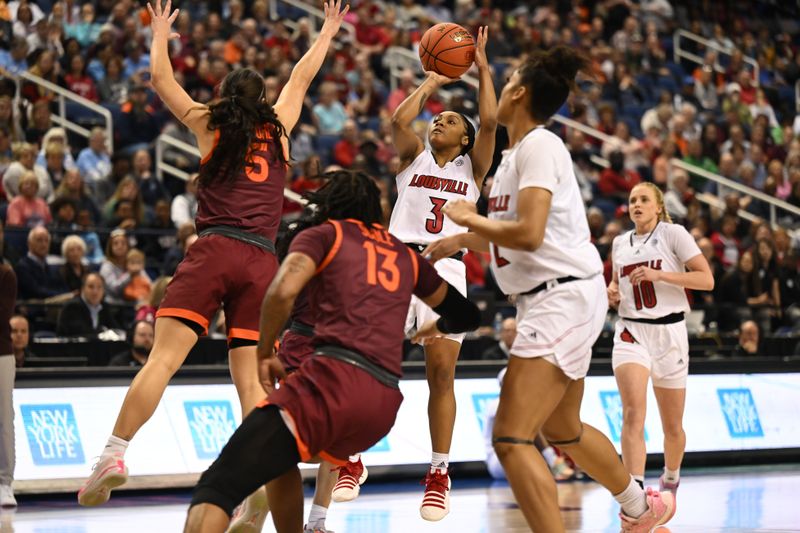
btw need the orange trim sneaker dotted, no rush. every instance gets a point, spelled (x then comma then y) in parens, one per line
(660, 508)
(250, 516)
(436, 501)
(351, 476)
(108, 473)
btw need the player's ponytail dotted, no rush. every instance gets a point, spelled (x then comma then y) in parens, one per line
(244, 119)
(549, 77)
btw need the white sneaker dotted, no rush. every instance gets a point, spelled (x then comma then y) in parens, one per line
(109, 473)
(351, 476)
(250, 516)
(436, 502)
(7, 496)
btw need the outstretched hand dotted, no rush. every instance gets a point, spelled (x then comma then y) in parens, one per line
(334, 15)
(481, 61)
(439, 79)
(161, 20)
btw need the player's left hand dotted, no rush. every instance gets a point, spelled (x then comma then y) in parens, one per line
(481, 61)
(427, 333)
(161, 20)
(270, 372)
(644, 273)
(460, 211)
(334, 15)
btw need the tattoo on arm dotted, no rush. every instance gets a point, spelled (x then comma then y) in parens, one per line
(423, 99)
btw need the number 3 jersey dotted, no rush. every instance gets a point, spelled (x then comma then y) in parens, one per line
(668, 249)
(423, 189)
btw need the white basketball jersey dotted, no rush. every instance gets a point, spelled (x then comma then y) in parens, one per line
(668, 249)
(541, 160)
(422, 191)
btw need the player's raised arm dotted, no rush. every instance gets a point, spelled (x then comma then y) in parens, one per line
(483, 151)
(290, 101)
(408, 143)
(161, 75)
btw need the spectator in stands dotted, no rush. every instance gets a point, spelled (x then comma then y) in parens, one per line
(73, 188)
(161, 235)
(41, 122)
(138, 125)
(25, 155)
(37, 279)
(346, 150)
(113, 89)
(678, 195)
(85, 30)
(27, 209)
(657, 118)
(148, 310)
(54, 162)
(694, 156)
(78, 81)
(127, 190)
(9, 120)
(72, 272)
(136, 63)
(8, 298)
(56, 136)
(776, 171)
(732, 105)
(139, 285)
(141, 339)
(726, 244)
(749, 340)
(94, 162)
(329, 114)
(617, 181)
(14, 60)
(507, 334)
(768, 279)
(113, 269)
(44, 66)
(20, 340)
(705, 91)
(87, 314)
(186, 237)
(150, 187)
(184, 206)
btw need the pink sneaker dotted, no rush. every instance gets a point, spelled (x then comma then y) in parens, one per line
(660, 508)
(351, 477)
(109, 473)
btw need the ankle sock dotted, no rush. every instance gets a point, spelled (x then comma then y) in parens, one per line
(639, 480)
(672, 476)
(316, 518)
(440, 460)
(115, 445)
(632, 500)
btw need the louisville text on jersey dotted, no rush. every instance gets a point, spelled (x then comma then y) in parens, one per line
(655, 264)
(439, 184)
(499, 204)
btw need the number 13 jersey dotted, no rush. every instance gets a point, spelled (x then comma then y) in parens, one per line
(423, 189)
(668, 249)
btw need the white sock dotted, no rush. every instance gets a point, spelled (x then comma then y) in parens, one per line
(550, 456)
(440, 460)
(672, 476)
(632, 500)
(354, 458)
(115, 445)
(639, 480)
(316, 518)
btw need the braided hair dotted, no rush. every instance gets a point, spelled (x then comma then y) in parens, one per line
(549, 76)
(345, 194)
(240, 114)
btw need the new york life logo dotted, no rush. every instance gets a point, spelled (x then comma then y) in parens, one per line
(612, 408)
(212, 424)
(740, 413)
(52, 434)
(481, 402)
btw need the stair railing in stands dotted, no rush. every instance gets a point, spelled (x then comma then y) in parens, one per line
(680, 53)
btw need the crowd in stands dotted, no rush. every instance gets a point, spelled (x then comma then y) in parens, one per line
(71, 208)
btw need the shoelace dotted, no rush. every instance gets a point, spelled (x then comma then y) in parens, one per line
(347, 469)
(435, 481)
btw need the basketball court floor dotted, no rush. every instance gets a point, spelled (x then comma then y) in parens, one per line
(710, 500)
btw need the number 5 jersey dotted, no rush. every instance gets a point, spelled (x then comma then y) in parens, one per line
(423, 189)
(668, 249)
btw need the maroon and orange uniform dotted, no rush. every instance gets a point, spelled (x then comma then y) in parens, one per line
(297, 341)
(360, 295)
(220, 270)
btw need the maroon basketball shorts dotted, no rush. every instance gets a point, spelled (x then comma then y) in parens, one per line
(294, 349)
(336, 409)
(216, 271)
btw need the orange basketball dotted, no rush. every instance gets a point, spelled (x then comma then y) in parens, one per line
(447, 49)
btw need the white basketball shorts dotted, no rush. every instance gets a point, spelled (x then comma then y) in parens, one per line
(453, 272)
(661, 348)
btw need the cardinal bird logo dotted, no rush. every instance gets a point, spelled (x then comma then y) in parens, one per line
(626, 336)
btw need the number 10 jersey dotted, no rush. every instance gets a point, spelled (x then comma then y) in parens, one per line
(668, 249)
(423, 189)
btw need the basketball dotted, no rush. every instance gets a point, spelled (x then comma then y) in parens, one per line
(447, 49)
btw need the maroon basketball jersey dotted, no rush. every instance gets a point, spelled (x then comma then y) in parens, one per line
(363, 285)
(253, 200)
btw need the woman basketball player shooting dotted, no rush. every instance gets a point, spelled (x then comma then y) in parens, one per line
(244, 141)
(651, 342)
(539, 241)
(453, 168)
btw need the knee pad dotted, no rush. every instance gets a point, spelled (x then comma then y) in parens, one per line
(511, 440)
(562, 443)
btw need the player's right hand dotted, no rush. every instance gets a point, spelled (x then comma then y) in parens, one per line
(442, 248)
(439, 79)
(427, 333)
(161, 19)
(613, 295)
(270, 372)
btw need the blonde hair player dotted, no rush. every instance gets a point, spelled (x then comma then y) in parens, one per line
(453, 168)
(541, 251)
(650, 276)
